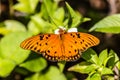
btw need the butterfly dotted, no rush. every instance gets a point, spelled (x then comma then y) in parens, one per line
(64, 46)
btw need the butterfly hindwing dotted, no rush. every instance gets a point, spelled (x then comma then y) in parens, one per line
(54, 52)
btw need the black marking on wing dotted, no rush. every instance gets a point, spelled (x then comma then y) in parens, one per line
(41, 37)
(78, 35)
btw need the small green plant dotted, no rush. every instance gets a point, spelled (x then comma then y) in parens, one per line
(98, 67)
(46, 20)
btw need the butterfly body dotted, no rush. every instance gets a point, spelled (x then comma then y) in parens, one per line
(60, 47)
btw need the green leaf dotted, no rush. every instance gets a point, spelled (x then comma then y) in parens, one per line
(115, 55)
(11, 26)
(51, 12)
(58, 17)
(27, 6)
(61, 65)
(109, 77)
(102, 57)
(95, 76)
(54, 74)
(50, 6)
(110, 24)
(32, 27)
(10, 47)
(86, 19)
(118, 65)
(91, 56)
(83, 67)
(74, 18)
(38, 25)
(6, 67)
(105, 71)
(59, 14)
(35, 65)
(33, 77)
(113, 60)
(4, 31)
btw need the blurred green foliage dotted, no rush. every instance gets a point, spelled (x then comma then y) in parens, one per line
(109, 24)
(49, 18)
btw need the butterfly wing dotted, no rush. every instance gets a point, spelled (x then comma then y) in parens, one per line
(76, 42)
(60, 47)
(49, 45)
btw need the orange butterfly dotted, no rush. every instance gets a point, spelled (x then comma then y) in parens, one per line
(60, 47)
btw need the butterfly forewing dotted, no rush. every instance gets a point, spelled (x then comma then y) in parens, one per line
(38, 43)
(76, 42)
(86, 41)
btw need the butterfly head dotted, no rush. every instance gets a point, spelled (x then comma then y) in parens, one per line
(63, 30)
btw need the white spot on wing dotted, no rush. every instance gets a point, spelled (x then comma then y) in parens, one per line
(72, 30)
(57, 31)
